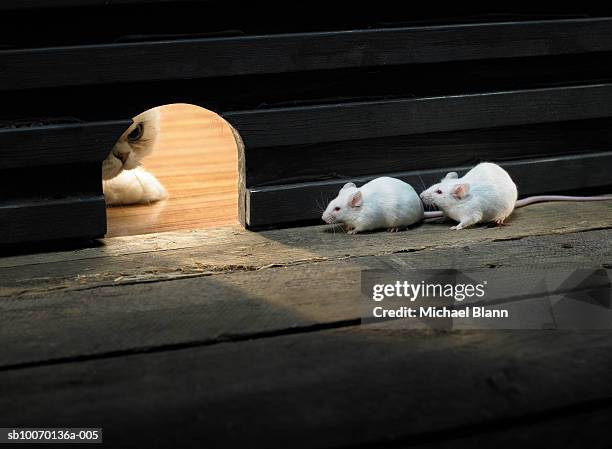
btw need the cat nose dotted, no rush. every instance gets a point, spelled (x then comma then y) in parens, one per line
(122, 157)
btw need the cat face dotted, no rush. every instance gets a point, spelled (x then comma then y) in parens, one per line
(133, 145)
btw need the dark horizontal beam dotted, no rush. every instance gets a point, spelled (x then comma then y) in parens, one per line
(8, 5)
(362, 120)
(301, 89)
(353, 158)
(59, 144)
(264, 54)
(280, 206)
(42, 220)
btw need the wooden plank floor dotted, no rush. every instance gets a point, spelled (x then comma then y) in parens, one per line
(227, 338)
(196, 160)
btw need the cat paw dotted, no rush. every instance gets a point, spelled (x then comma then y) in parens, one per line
(133, 187)
(154, 192)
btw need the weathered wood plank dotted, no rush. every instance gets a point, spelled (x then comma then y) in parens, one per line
(299, 89)
(585, 425)
(295, 204)
(39, 183)
(205, 310)
(39, 203)
(197, 58)
(397, 117)
(351, 159)
(186, 312)
(375, 386)
(39, 220)
(58, 144)
(217, 251)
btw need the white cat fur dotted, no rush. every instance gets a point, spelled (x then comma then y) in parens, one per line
(124, 181)
(136, 186)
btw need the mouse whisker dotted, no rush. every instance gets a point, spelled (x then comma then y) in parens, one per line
(423, 185)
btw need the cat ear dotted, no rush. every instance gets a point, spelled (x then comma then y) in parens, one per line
(451, 175)
(461, 190)
(348, 185)
(356, 199)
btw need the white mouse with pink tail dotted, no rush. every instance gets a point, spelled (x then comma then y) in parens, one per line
(485, 194)
(381, 203)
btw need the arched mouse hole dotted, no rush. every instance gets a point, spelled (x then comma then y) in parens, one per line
(188, 151)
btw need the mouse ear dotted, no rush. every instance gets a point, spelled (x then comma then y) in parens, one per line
(356, 199)
(451, 175)
(348, 185)
(461, 190)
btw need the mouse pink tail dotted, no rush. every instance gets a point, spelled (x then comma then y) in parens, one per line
(546, 198)
(436, 214)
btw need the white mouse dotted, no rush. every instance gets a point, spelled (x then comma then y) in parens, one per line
(486, 193)
(381, 203)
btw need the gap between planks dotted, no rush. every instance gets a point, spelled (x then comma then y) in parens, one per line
(256, 385)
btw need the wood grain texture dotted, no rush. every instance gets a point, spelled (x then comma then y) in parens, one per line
(373, 385)
(99, 64)
(211, 252)
(196, 160)
(245, 304)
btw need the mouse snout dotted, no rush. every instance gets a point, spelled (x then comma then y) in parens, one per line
(325, 217)
(328, 219)
(426, 198)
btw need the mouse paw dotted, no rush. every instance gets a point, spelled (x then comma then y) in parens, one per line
(457, 227)
(393, 230)
(500, 222)
(352, 231)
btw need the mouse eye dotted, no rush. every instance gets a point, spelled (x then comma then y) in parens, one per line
(336, 209)
(136, 133)
(439, 192)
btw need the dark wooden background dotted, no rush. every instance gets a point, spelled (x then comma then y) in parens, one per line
(318, 99)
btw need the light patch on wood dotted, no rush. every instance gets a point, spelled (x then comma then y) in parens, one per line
(171, 255)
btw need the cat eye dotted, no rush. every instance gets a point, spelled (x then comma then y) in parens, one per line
(136, 133)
